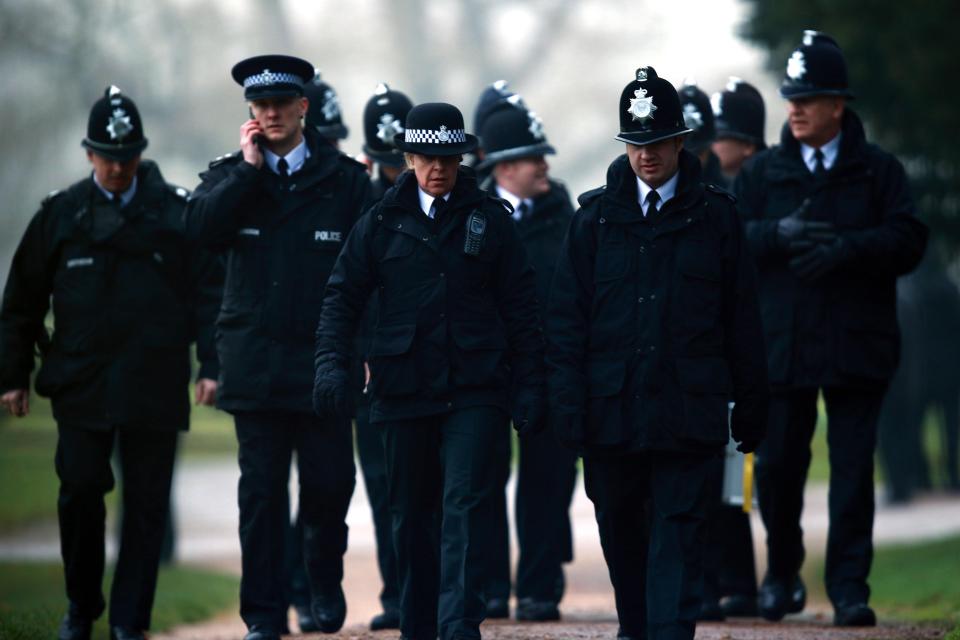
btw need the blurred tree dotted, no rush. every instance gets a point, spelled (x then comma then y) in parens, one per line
(902, 59)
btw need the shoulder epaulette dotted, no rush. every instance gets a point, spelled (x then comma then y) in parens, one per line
(351, 161)
(506, 205)
(227, 157)
(588, 196)
(53, 195)
(709, 186)
(178, 191)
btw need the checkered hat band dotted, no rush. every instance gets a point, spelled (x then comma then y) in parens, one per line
(271, 77)
(435, 136)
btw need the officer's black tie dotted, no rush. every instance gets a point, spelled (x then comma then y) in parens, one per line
(439, 206)
(283, 168)
(523, 210)
(818, 168)
(653, 198)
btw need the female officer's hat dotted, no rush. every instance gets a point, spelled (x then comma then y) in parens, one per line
(435, 129)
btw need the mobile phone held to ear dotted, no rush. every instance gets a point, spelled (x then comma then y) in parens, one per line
(257, 139)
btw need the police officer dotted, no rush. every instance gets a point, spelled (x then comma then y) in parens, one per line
(740, 118)
(324, 117)
(279, 209)
(652, 329)
(383, 118)
(493, 97)
(830, 222)
(129, 296)
(457, 333)
(698, 117)
(324, 114)
(730, 587)
(514, 149)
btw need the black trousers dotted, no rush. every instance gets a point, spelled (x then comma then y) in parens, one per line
(324, 450)
(83, 466)
(439, 471)
(728, 563)
(373, 465)
(547, 476)
(782, 463)
(546, 479)
(651, 509)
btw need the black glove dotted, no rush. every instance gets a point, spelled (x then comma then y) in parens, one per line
(331, 392)
(820, 260)
(528, 419)
(748, 445)
(795, 235)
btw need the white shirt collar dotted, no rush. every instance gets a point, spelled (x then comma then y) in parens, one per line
(830, 152)
(295, 159)
(426, 201)
(125, 197)
(666, 191)
(514, 201)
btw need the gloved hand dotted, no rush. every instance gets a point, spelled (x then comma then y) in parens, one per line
(820, 260)
(528, 419)
(796, 235)
(331, 391)
(748, 445)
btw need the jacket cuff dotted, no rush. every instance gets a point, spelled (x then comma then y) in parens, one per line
(209, 369)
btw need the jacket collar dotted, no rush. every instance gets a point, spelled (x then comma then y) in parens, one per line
(621, 189)
(853, 140)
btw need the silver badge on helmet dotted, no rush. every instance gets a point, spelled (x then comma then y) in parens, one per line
(388, 127)
(119, 125)
(716, 103)
(331, 105)
(443, 135)
(642, 74)
(796, 66)
(536, 125)
(733, 83)
(692, 117)
(641, 107)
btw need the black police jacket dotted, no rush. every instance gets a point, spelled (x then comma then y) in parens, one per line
(129, 296)
(842, 328)
(653, 325)
(542, 232)
(281, 240)
(452, 330)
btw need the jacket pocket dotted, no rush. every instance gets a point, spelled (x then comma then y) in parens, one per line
(479, 357)
(868, 347)
(706, 389)
(319, 251)
(246, 262)
(393, 367)
(79, 291)
(699, 289)
(606, 421)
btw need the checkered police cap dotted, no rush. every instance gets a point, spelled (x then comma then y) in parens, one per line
(435, 136)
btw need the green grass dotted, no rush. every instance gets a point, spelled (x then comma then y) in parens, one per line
(28, 445)
(914, 582)
(32, 601)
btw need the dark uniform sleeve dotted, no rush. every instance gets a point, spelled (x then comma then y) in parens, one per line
(761, 233)
(348, 288)
(207, 277)
(896, 245)
(568, 315)
(26, 300)
(516, 295)
(744, 343)
(210, 216)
